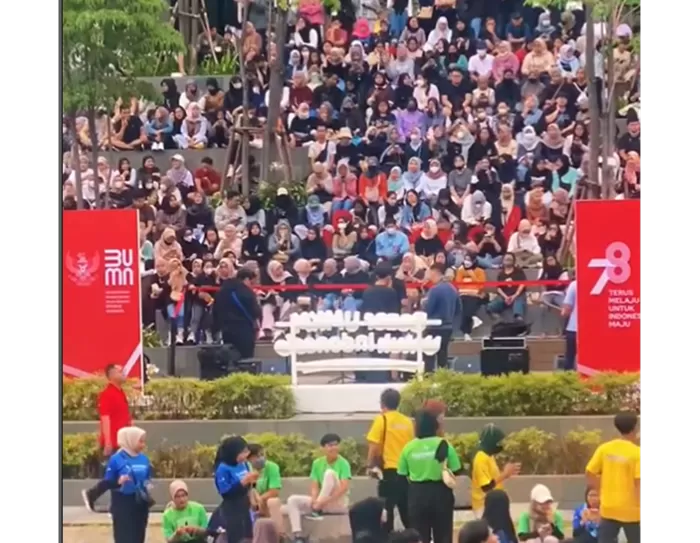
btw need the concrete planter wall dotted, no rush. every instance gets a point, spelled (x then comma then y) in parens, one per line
(568, 490)
(189, 432)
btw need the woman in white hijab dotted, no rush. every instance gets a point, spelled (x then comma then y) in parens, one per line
(129, 472)
(440, 32)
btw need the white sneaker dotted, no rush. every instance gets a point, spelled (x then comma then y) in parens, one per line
(476, 322)
(208, 338)
(179, 339)
(190, 338)
(467, 337)
(154, 146)
(161, 146)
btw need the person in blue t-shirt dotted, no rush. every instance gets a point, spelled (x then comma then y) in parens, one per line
(128, 473)
(233, 479)
(587, 518)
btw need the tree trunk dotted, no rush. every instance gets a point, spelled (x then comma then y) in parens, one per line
(110, 156)
(95, 153)
(75, 155)
(245, 147)
(276, 84)
(608, 114)
(593, 105)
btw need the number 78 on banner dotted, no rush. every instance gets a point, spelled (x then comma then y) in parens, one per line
(615, 266)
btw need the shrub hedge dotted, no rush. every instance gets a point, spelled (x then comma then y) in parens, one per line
(244, 396)
(539, 452)
(518, 395)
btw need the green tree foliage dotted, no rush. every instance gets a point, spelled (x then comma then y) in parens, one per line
(102, 39)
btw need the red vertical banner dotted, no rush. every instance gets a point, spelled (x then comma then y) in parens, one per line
(101, 309)
(608, 289)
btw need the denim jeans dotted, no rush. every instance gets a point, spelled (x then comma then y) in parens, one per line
(498, 305)
(397, 22)
(328, 302)
(352, 304)
(344, 205)
(179, 318)
(476, 26)
(489, 261)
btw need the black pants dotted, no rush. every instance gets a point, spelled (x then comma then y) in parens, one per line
(243, 340)
(129, 518)
(394, 489)
(610, 529)
(439, 359)
(470, 305)
(431, 510)
(235, 514)
(570, 353)
(96, 492)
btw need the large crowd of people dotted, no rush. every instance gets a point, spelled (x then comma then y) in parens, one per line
(415, 467)
(436, 134)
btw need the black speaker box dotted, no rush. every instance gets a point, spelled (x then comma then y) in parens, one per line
(505, 361)
(509, 329)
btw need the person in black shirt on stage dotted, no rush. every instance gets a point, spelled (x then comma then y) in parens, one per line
(236, 313)
(379, 298)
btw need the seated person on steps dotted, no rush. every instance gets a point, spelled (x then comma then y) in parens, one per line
(330, 482)
(266, 493)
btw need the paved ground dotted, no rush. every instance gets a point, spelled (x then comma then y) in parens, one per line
(81, 526)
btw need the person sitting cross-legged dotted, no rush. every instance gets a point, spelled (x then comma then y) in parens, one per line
(330, 480)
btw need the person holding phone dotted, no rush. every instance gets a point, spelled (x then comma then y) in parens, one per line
(587, 518)
(129, 475)
(184, 520)
(542, 523)
(486, 475)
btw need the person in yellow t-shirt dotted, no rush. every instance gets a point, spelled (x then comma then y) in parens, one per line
(389, 433)
(485, 473)
(614, 468)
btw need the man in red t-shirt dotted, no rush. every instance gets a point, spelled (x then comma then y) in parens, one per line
(113, 408)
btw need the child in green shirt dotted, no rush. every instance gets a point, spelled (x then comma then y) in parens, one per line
(184, 520)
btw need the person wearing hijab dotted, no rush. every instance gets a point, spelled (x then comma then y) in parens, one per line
(254, 246)
(184, 520)
(233, 479)
(497, 514)
(524, 245)
(193, 131)
(411, 118)
(430, 500)
(171, 97)
(416, 149)
(486, 475)
(129, 474)
(428, 243)
(542, 523)
(568, 62)
(475, 209)
(313, 248)
(199, 216)
(440, 32)
(413, 30)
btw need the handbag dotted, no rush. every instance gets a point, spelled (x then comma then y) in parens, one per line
(425, 13)
(448, 478)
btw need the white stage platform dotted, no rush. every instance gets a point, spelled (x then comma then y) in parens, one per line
(340, 397)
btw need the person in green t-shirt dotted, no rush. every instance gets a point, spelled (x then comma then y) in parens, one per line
(542, 523)
(184, 520)
(430, 501)
(330, 487)
(267, 488)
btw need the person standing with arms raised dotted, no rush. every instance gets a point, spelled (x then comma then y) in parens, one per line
(388, 435)
(113, 408)
(615, 470)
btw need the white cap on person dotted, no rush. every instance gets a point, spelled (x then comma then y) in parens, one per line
(541, 494)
